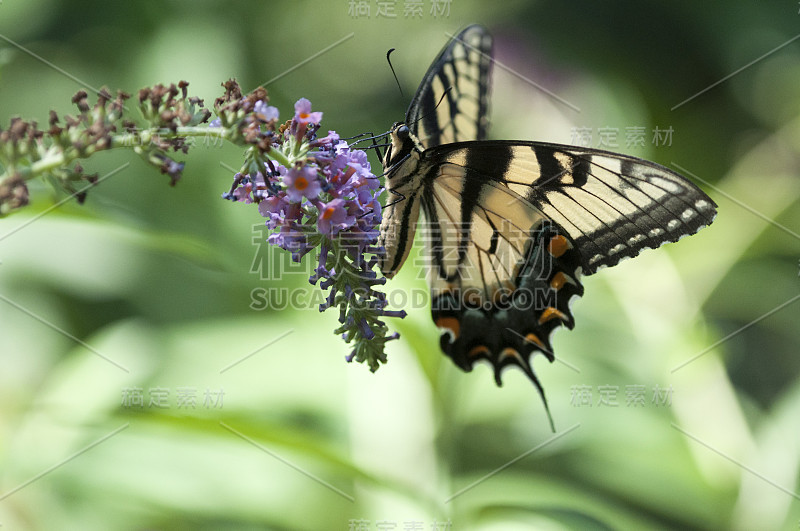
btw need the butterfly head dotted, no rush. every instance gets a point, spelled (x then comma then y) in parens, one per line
(403, 143)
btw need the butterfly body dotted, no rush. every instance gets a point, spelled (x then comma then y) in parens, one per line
(510, 226)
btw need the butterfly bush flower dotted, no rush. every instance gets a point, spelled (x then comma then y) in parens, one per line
(317, 193)
(301, 183)
(267, 112)
(333, 217)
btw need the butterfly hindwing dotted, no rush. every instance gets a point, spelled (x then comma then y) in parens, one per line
(501, 274)
(517, 321)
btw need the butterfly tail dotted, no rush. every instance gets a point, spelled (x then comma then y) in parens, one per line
(510, 332)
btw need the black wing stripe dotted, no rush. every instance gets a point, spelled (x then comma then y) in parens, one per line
(403, 238)
(436, 250)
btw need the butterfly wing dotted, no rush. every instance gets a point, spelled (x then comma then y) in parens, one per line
(612, 206)
(511, 226)
(452, 102)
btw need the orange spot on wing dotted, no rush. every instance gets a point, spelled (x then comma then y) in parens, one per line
(558, 281)
(558, 245)
(533, 338)
(551, 313)
(480, 350)
(449, 323)
(508, 351)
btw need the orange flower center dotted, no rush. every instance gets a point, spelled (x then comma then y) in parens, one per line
(328, 212)
(304, 115)
(301, 183)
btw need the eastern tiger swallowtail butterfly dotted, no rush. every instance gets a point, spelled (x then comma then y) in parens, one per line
(511, 226)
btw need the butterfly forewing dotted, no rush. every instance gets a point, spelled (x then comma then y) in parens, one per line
(611, 205)
(452, 102)
(451, 105)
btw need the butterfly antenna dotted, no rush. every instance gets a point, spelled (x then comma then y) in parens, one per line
(389, 60)
(445, 93)
(363, 137)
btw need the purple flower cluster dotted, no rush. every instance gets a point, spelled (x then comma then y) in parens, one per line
(327, 197)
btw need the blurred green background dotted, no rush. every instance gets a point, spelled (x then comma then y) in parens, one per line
(158, 281)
